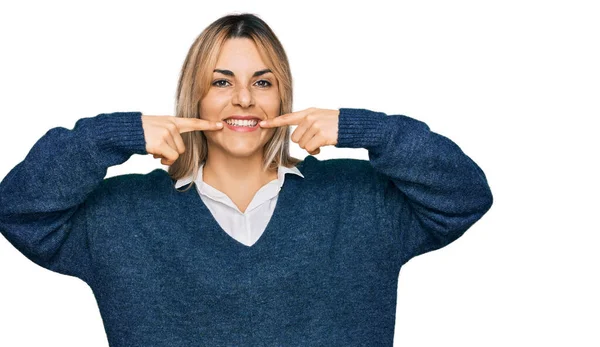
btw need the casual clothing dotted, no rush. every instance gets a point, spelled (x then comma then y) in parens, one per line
(248, 226)
(324, 273)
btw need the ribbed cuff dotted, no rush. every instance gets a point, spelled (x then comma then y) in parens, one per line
(119, 131)
(361, 128)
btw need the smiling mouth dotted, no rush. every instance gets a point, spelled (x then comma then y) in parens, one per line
(242, 123)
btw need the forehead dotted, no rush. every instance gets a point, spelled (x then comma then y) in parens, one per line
(240, 55)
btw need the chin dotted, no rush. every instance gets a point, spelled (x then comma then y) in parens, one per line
(242, 152)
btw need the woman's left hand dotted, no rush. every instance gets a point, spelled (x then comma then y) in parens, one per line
(316, 127)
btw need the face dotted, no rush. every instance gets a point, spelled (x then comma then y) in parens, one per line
(238, 92)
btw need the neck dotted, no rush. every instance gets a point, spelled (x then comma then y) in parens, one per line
(240, 172)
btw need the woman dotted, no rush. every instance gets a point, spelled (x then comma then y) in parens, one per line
(251, 256)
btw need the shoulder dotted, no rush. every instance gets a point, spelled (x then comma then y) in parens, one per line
(340, 170)
(131, 188)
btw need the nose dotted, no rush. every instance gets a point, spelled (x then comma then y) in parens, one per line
(242, 96)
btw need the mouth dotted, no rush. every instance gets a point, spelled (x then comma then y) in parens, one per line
(242, 121)
(242, 124)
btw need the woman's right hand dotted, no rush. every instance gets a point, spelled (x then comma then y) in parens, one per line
(162, 134)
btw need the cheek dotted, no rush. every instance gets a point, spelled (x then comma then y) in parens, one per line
(268, 100)
(211, 107)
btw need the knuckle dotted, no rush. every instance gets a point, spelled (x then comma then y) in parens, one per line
(171, 126)
(151, 149)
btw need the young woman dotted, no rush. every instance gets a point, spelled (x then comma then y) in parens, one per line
(250, 256)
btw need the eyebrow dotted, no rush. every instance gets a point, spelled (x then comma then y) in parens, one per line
(230, 73)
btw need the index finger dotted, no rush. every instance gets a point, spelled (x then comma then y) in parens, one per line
(195, 124)
(292, 118)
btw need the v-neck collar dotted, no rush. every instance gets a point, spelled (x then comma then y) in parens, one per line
(266, 192)
(281, 214)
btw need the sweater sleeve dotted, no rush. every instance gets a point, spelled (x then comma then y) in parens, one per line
(43, 198)
(432, 192)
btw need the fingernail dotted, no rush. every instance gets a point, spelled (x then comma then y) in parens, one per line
(262, 122)
(219, 124)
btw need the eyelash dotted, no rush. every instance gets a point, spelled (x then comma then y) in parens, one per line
(268, 83)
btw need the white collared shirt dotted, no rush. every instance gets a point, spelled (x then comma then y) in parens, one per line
(246, 227)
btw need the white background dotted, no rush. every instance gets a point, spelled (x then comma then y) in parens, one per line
(514, 83)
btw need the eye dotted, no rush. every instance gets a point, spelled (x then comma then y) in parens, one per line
(215, 83)
(268, 84)
(265, 85)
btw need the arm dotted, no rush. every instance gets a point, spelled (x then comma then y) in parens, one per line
(43, 198)
(433, 192)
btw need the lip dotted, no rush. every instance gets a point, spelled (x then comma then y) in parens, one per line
(247, 117)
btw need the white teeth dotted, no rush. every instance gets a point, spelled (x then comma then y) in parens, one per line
(243, 123)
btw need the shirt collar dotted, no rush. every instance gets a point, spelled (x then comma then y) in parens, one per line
(281, 171)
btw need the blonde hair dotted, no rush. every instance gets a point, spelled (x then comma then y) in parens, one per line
(195, 81)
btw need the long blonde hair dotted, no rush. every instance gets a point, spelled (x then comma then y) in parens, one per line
(195, 81)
